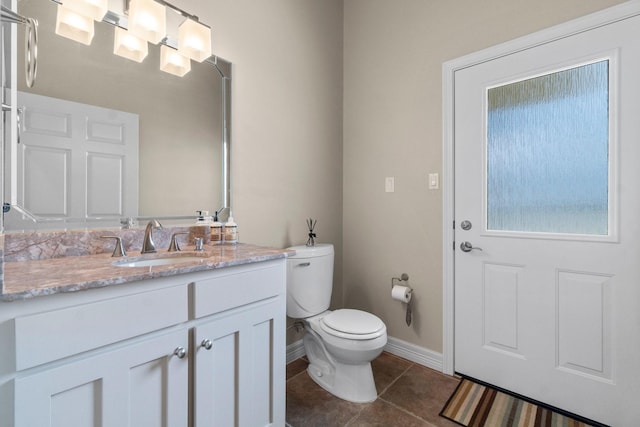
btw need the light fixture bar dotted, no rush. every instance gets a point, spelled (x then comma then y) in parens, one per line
(95, 9)
(178, 10)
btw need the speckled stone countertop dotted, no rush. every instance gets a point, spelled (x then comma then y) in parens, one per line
(28, 279)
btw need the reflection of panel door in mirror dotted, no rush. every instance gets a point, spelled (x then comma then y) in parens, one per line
(76, 160)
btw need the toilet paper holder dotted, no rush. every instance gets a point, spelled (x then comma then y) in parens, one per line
(403, 278)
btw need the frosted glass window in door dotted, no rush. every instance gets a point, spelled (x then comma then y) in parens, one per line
(548, 153)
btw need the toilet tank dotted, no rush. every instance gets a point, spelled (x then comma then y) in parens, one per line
(309, 280)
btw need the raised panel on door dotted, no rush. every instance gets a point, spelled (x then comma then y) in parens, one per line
(240, 380)
(137, 385)
(45, 180)
(105, 184)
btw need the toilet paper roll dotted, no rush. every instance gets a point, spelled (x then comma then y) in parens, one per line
(401, 293)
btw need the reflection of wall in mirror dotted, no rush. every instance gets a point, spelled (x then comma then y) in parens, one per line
(180, 118)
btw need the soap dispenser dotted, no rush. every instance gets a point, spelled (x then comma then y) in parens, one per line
(230, 230)
(216, 230)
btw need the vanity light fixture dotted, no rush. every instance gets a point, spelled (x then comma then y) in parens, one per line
(148, 20)
(173, 62)
(74, 26)
(136, 23)
(194, 40)
(129, 46)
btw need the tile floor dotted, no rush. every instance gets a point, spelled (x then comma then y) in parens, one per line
(409, 395)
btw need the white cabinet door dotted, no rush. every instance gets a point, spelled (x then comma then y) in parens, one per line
(137, 385)
(240, 380)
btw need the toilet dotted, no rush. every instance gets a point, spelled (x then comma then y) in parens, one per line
(339, 344)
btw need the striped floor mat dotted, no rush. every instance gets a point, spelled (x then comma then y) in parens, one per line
(475, 405)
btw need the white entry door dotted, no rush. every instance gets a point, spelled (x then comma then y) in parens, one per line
(547, 214)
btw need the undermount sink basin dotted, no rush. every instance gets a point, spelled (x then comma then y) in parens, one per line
(157, 260)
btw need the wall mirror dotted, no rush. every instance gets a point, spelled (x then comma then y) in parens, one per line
(182, 127)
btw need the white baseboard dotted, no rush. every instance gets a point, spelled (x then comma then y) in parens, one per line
(411, 352)
(420, 355)
(295, 351)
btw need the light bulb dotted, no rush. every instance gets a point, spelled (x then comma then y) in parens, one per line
(194, 40)
(74, 26)
(129, 46)
(148, 20)
(171, 61)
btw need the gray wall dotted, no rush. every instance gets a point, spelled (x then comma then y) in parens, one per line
(330, 97)
(394, 53)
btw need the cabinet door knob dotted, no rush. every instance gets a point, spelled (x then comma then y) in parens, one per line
(207, 344)
(180, 352)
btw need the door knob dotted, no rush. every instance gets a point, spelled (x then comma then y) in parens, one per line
(468, 247)
(207, 344)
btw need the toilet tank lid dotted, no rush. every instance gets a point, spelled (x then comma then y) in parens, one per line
(320, 249)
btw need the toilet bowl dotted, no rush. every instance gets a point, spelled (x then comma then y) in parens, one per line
(339, 361)
(340, 344)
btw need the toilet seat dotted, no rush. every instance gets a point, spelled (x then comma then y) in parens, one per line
(352, 324)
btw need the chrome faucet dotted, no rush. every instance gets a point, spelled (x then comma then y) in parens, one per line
(148, 247)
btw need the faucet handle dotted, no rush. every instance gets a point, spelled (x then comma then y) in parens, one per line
(199, 242)
(173, 246)
(118, 251)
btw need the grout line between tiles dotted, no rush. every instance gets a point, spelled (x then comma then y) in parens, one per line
(358, 414)
(301, 372)
(400, 408)
(395, 380)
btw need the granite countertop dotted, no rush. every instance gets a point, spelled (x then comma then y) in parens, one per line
(28, 279)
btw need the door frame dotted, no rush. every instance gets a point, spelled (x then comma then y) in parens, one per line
(604, 17)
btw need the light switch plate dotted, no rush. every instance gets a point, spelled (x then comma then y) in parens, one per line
(434, 181)
(389, 184)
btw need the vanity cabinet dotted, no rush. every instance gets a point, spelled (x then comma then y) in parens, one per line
(141, 384)
(205, 349)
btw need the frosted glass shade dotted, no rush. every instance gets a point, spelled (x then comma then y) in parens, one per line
(194, 40)
(74, 26)
(94, 9)
(129, 46)
(171, 61)
(148, 20)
